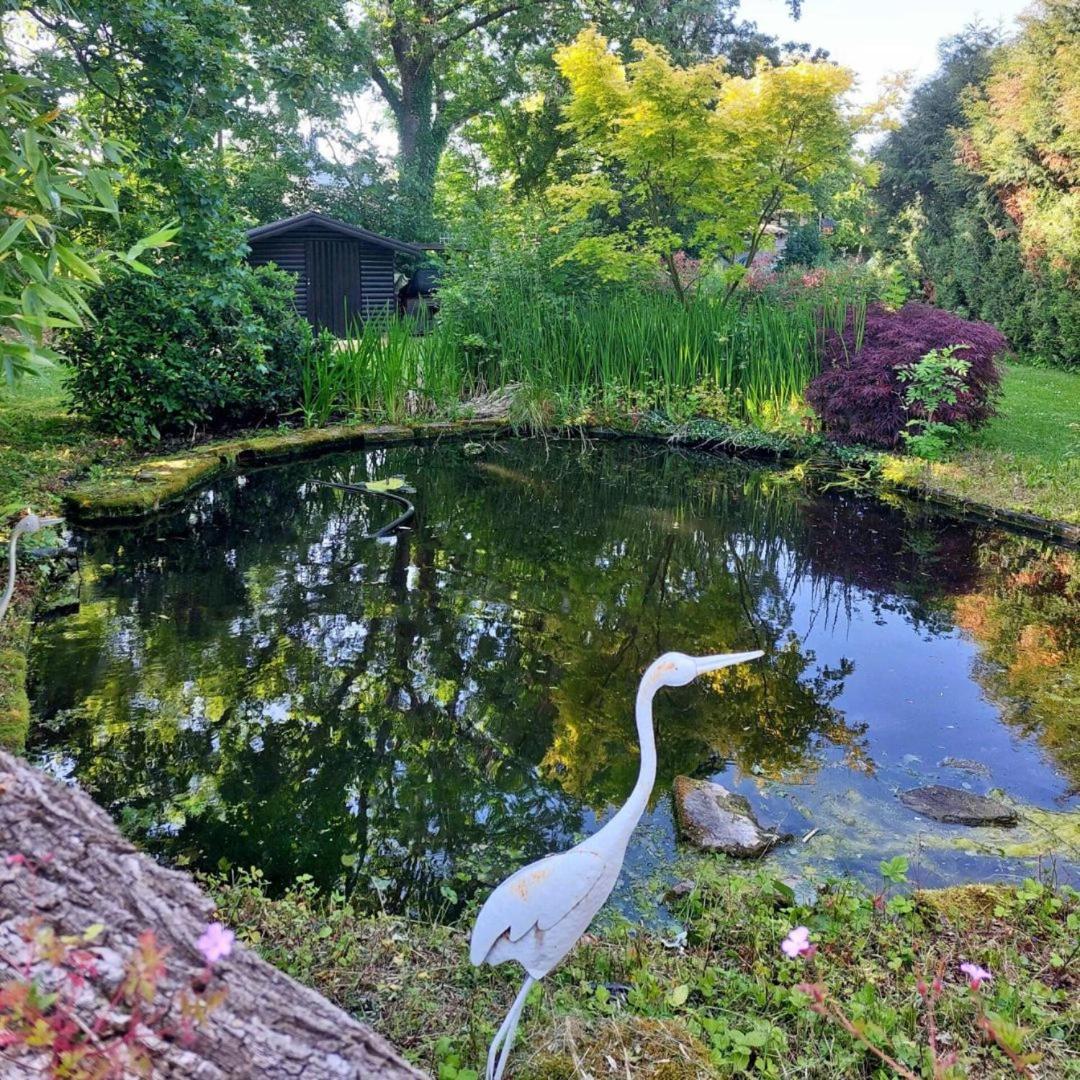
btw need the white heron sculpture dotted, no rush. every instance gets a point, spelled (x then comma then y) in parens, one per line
(30, 523)
(537, 914)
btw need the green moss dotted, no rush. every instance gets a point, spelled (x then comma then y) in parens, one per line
(137, 490)
(14, 704)
(1039, 834)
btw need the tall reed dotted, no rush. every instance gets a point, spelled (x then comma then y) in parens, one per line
(760, 350)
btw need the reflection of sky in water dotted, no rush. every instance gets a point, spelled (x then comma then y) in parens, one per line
(251, 680)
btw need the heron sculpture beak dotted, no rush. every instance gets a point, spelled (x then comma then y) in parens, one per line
(714, 663)
(50, 522)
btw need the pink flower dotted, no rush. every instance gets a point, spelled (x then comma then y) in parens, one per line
(216, 942)
(976, 975)
(797, 943)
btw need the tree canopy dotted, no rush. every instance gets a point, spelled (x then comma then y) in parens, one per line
(693, 158)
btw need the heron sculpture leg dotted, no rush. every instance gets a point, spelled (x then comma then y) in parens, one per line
(505, 1035)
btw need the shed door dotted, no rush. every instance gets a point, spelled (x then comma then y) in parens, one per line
(333, 283)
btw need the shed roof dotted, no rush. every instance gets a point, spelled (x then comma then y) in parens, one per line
(313, 217)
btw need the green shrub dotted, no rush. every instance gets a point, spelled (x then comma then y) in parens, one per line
(187, 350)
(805, 246)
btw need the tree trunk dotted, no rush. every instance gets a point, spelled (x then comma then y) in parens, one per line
(268, 1025)
(421, 141)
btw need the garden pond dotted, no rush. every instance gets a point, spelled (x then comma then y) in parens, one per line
(248, 681)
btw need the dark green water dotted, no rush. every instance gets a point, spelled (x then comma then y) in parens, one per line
(250, 682)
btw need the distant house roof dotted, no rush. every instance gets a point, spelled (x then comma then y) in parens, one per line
(313, 217)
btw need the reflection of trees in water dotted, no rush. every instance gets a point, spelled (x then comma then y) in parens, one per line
(254, 682)
(1024, 612)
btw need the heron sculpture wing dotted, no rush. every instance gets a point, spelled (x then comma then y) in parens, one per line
(536, 896)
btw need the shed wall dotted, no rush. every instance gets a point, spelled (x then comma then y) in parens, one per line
(302, 251)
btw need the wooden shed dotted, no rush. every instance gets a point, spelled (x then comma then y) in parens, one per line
(342, 272)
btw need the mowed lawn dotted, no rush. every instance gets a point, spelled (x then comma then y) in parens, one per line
(1028, 457)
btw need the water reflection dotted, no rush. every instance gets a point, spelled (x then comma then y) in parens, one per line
(252, 682)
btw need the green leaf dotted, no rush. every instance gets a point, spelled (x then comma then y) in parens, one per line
(678, 996)
(77, 264)
(894, 870)
(101, 183)
(11, 233)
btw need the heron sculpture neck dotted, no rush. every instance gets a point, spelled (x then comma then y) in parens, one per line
(630, 812)
(29, 524)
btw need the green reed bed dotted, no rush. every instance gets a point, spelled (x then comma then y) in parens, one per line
(759, 350)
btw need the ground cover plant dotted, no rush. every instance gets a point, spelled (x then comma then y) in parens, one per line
(1026, 458)
(723, 996)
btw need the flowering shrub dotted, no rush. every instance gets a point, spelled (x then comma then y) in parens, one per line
(686, 267)
(859, 394)
(84, 1019)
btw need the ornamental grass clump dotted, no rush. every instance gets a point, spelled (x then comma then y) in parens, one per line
(860, 393)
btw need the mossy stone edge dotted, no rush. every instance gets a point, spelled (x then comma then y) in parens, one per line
(135, 492)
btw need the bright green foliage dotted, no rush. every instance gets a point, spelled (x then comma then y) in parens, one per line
(183, 351)
(690, 158)
(382, 370)
(585, 358)
(936, 380)
(54, 176)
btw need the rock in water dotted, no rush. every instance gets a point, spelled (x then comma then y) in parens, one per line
(712, 818)
(957, 807)
(965, 765)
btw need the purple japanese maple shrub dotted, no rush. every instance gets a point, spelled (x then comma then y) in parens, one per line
(858, 394)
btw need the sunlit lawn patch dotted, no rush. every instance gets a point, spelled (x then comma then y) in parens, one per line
(1028, 457)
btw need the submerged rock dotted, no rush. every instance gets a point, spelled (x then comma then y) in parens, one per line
(977, 768)
(957, 807)
(712, 818)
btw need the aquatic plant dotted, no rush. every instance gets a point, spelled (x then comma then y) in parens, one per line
(625, 351)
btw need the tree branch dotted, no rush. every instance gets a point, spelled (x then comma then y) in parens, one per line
(478, 23)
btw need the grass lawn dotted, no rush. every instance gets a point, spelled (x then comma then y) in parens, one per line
(42, 444)
(721, 1001)
(1028, 457)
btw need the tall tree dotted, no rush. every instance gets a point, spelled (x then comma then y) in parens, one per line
(440, 63)
(185, 81)
(1025, 134)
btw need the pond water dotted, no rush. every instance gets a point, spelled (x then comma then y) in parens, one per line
(250, 682)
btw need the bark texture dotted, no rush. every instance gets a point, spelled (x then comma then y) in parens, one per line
(268, 1026)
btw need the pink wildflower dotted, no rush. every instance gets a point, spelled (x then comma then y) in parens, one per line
(976, 975)
(797, 943)
(18, 859)
(216, 942)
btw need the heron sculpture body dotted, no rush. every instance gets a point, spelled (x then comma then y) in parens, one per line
(30, 523)
(537, 914)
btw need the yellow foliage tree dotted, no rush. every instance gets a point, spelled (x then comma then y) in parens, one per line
(691, 157)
